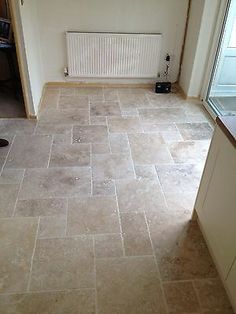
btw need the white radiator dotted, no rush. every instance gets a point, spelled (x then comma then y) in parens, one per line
(107, 55)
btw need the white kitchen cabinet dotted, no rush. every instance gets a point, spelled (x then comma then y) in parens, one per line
(216, 205)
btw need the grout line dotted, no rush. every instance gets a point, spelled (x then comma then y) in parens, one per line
(25, 292)
(32, 257)
(119, 217)
(157, 266)
(67, 213)
(197, 294)
(18, 193)
(131, 157)
(50, 151)
(95, 276)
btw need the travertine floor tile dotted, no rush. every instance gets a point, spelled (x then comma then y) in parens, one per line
(52, 226)
(56, 182)
(195, 131)
(8, 196)
(129, 285)
(93, 215)
(146, 172)
(212, 296)
(100, 148)
(50, 99)
(124, 124)
(180, 248)
(73, 101)
(181, 298)
(183, 178)
(17, 238)
(70, 155)
(63, 264)
(99, 212)
(189, 152)
(108, 108)
(61, 302)
(119, 143)
(163, 115)
(90, 134)
(11, 176)
(16, 126)
(29, 151)
(108, 245)
(153, 144)
(112, 166)
(135, 234)
(139, 195)
(103, 187)
(41, 207)
(50, 129)
(65, 116)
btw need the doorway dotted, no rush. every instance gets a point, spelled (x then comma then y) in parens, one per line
(221, 94)
(11, 94)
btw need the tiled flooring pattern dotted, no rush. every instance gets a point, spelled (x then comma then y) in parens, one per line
(95, 203)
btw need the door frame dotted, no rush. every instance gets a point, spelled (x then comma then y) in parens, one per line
(14, 6)
(214, 52)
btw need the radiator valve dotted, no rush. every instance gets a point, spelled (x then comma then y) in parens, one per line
(66, 72)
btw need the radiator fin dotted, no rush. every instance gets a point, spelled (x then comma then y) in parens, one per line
(109, 55)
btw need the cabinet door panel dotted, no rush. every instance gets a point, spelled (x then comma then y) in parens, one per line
(218, 213)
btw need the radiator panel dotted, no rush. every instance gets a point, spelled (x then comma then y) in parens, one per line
(107, 55)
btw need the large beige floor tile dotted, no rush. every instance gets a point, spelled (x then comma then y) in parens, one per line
(180, 248)
(103, 187)
(71, 302)
(29, 152)
(163, 115)
(112, 166)
(11, 176)
(8, 196)
(195, 131)
(56, 182)
(212, 296)
(17, 240)
(93, 215)
(119, 143)
(50, 99)
(124, 124)
(135, 234)
(73, 101)
(52, 227)
(70, 155)
(90, 134)
(107, 108)
(108, 245)
(63, 264)
(149, 149)
(189, 152)
(181, 298)
(16, 126)
(184, 178)
(139, 195)
(52, 128)
(128, 285)
(65, 116)
(41, 207)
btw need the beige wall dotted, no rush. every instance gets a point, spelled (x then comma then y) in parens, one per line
(58, 16)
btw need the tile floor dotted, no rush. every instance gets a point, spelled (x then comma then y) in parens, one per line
(95, 203)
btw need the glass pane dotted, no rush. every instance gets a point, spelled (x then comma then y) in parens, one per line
(232, 42)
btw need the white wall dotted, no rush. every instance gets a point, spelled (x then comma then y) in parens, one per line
(30, 27)
(58, 16)
(202, 21)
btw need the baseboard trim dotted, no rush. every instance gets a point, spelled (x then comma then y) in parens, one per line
(90, 84)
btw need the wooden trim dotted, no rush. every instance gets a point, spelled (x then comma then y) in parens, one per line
(22, 66)
(184, 40)
(111, 85)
